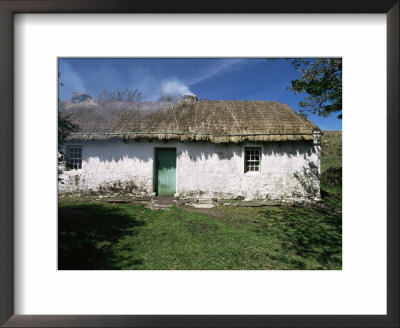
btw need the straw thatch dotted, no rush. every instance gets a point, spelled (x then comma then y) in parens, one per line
(214, 121)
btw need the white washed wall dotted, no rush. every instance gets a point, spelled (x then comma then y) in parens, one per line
(289, 170)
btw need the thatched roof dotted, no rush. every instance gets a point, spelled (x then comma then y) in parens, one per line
(215, 121)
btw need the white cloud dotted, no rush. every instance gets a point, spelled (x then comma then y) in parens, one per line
(149, 81)
(151, 84)
(175, 87)
(218, 67)
(71, 81)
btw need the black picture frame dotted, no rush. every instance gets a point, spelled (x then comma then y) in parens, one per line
(7, 10)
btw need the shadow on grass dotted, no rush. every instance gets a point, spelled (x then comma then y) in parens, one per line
(87, 233)
(312, 234)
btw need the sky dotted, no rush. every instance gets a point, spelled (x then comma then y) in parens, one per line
(208, 78)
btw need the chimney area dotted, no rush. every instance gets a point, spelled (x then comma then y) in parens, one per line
(189, 99)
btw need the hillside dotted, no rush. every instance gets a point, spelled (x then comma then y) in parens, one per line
(331, 157)
(331, 149)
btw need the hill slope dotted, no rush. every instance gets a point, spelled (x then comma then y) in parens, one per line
(331, 157)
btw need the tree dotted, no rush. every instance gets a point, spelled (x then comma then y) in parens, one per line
(65, 127)
(321, 80)
(168, 97)
(119, 95)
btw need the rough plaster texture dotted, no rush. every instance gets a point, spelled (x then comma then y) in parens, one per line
(289, 170)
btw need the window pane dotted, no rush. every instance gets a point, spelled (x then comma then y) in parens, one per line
(252, 159)
(74, 157)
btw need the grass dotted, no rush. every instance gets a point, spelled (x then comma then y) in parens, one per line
(98, 235)
(128, 236)
(331, 150)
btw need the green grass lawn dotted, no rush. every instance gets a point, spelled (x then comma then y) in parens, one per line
(94, 235)
(97, 235)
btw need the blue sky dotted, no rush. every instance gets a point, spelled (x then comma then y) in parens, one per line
(208, 78)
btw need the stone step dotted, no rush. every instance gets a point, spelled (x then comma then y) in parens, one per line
(205, 201)
(269, 202)
(144, 199)
(164, 200)
(161, 206)
(207, 205)
(155, 206)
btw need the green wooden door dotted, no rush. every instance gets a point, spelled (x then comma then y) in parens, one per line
(165, 169)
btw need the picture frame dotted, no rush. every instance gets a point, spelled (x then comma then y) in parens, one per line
(8, 8)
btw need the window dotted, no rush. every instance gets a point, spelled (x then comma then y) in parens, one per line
(252, 161)
(74, 157)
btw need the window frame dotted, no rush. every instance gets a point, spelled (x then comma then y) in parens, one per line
(68, 167)
(246, 148)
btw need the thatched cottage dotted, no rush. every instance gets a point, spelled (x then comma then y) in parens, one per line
(194, 148)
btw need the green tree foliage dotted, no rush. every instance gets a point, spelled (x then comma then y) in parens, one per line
(321, 80)
(65, 127)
